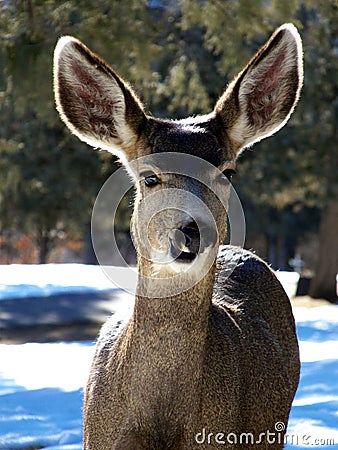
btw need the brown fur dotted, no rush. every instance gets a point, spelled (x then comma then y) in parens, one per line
(220, 357)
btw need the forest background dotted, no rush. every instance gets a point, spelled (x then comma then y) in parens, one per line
(179, 56)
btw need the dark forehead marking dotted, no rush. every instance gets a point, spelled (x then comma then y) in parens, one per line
(174, 137)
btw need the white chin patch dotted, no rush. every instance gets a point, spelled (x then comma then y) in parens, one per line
(178, 266)
(168, 266)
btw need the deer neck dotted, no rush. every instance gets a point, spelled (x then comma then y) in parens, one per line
(170, 330)
(167, 338)
(185, 310)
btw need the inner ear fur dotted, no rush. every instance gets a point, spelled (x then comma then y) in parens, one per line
(262, 97)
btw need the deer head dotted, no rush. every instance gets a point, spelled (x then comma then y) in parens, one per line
(181, 168)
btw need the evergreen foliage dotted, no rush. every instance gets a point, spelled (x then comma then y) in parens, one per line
(179, 56)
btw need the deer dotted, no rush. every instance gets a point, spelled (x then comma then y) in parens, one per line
(209, 356)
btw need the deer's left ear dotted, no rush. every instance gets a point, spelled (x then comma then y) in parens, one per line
(94, 102)
(262, 97)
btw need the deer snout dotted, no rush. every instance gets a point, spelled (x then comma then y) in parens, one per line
(191, 236)
(190, 239)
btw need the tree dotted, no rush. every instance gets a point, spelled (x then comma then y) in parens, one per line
(179, 56)
(322, 134)
(49, 179)
(298, 167)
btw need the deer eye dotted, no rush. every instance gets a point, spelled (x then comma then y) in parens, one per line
(228, 173)
(150, 179)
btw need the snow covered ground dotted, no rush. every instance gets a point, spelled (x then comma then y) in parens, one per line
(29, 280)
(41, 385)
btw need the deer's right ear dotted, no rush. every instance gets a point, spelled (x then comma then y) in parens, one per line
(94, 102)
(262, 97)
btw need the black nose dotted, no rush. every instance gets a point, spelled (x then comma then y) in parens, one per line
(192, 236)
(190, 239)
(198, 236)
(185, 242)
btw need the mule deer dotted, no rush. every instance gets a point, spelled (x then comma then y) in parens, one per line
(205, 360)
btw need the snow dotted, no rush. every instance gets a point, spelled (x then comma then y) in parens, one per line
(289, 281)
(41, 394)
(25, 280)
(314, 415)
(26, 365)
(41, 385)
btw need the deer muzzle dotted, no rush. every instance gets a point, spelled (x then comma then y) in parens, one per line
(189, 240)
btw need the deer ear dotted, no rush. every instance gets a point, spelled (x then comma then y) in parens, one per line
(93, 101)
(262, 97)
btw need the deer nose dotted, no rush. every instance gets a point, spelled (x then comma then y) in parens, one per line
(191, 236)
(183, 241)
(190, 239)
(198, 236)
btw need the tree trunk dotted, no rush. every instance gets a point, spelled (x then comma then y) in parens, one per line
(43, 241)
(90, 257)
(323, 284)
(43, 249)
(272, 248)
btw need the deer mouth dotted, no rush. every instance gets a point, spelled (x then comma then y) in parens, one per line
(186, 257)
